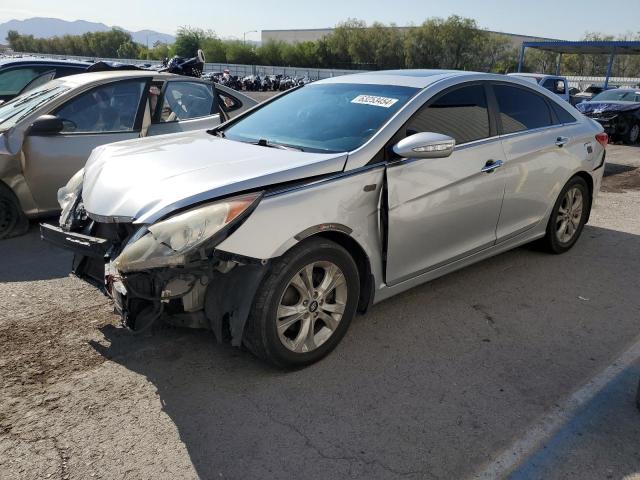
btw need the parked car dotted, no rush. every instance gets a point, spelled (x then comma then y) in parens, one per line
(618, 111)
(591, 91)
(47, 134)
(18, 74)
(553, 83)
(275, 228)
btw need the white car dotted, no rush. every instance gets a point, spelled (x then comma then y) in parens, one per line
(553, 83)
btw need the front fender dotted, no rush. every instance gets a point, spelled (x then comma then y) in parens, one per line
(347, 202)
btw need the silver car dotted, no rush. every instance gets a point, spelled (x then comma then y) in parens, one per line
(47, 134)
(275, 228)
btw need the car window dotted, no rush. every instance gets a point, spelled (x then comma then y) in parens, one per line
(555, 85)
(461, 114)
(616, 96)
(14, 111)
(107, 108)
(323, 117)
(228, 103)
(65, 71)
(185, 100)
(39, 81)
(15, 79)
(521, 109)
(562, 115)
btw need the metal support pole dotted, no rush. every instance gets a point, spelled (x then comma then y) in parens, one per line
(559, 64)
(609, 67)
(521, 58)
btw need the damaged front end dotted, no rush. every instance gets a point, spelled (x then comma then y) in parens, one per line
(168, 270)
(616, 118)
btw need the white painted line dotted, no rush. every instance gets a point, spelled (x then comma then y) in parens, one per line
(507, 461)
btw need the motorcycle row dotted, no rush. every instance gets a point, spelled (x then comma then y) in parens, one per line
(194, 67)
(256, 83)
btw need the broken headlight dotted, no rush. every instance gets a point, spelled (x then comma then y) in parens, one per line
(168, 243)
(68, 194)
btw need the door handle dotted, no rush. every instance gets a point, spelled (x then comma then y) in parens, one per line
(491, 165)
(562, 141)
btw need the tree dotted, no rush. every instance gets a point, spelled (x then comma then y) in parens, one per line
(188, 41)
(127, 50)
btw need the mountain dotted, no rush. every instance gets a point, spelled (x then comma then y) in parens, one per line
(50, 27)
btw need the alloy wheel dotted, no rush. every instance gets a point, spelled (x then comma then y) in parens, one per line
(311, 306)
(569, 215)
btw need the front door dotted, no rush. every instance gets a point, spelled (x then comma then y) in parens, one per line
(440, 210)
(106, 114)
(184, 106)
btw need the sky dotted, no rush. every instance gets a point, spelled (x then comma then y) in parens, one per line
(567, 20)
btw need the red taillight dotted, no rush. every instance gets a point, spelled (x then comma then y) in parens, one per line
(603, 139)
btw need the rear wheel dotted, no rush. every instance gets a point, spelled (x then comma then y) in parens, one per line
(568, 217)
(13, 222)
(304, 306)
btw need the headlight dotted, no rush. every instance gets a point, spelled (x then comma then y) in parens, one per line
(167, 243)
(67, 195)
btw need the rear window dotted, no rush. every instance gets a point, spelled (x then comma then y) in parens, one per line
(562, 114)
(521, 109)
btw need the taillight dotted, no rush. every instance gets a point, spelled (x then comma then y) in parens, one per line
(603, 139)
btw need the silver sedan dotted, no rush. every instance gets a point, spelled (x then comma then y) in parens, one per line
(275, 228)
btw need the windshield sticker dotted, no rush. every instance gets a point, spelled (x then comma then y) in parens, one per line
(384, 102)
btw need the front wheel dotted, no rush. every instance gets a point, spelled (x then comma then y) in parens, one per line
(633, 135)
(305, 305)
(568, 217)
(13, 222)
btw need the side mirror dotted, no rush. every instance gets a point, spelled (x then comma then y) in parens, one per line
(46, 125)
(425, 145)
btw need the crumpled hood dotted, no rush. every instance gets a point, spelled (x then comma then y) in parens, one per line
(598, 107)
(148, 178)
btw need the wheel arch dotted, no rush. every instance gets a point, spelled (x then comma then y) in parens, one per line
(589, 181)
(362, 262)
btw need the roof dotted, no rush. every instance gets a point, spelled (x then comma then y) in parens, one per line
(587, 47)
(401, 78)
(10, 61)
(84, 78)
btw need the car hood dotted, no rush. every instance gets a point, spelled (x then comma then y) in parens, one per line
(144, 180)
(612, 106)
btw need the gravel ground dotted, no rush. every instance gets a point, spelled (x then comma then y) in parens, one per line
(430, 384)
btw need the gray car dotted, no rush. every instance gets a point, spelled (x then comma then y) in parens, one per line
(47, 134)
(275, 228)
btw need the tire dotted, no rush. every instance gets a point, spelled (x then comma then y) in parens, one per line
(283, 300)
(13, 221)
(633, 134)
(556, 242)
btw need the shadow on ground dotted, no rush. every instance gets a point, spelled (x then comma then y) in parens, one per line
(27, 257)
(429, 384)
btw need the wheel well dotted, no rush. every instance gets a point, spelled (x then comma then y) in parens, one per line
(362, 262)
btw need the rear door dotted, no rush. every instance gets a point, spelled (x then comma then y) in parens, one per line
(105, 114)
(538, 149)
(184, 106)
(443, 209)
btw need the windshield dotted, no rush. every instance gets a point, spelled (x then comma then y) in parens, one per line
(334, 117)
(618, 96)
(23, 105)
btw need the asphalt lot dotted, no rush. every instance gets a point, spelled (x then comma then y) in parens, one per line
(524, 356)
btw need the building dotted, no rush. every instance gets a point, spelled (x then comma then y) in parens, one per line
(313, 34)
